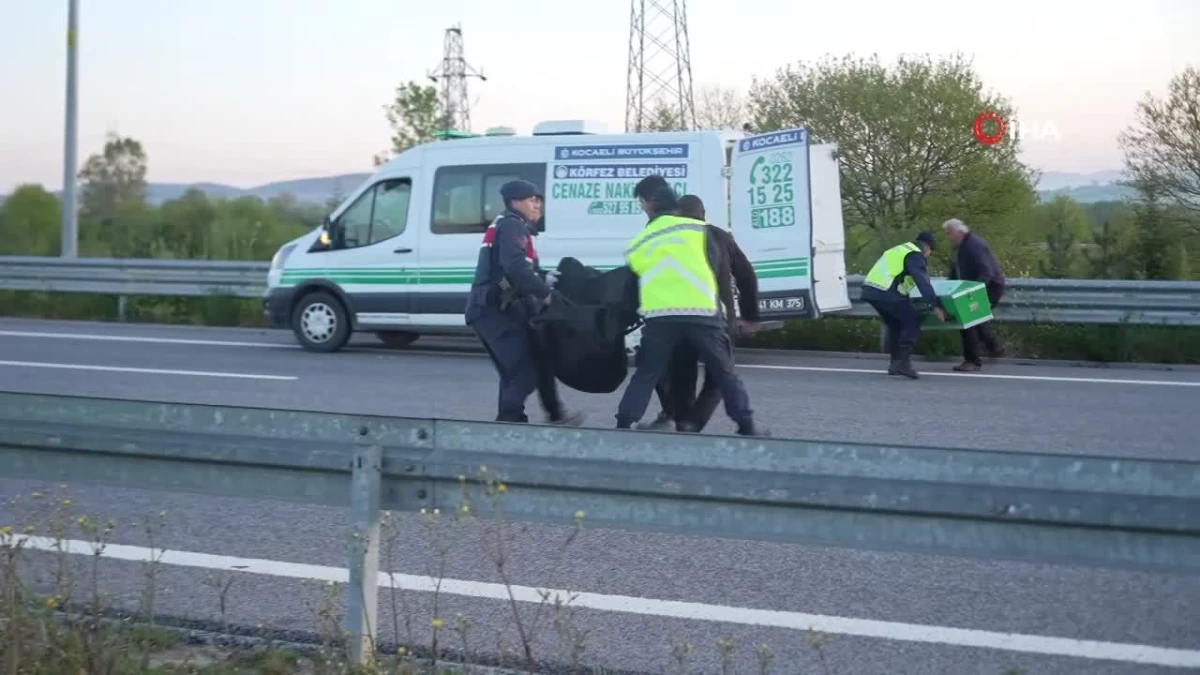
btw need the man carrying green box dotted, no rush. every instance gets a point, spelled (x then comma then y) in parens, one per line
(973, 261)
(886, 288)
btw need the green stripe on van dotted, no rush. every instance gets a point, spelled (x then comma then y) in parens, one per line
(765, 269)
(781, 268)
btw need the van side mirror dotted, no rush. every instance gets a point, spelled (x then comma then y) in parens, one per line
(324, 240)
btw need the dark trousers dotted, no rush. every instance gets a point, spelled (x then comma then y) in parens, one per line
(514, 351)
(674, 393)
(899, 315)
(713, 347)
(971, 337)
(677, 390)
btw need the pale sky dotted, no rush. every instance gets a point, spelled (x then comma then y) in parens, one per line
(246, 92)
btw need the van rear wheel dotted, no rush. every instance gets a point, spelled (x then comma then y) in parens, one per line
(396, 339)
(320, 322)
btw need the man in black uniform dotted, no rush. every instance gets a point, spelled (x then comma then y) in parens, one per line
(508, 290)
(676, 391)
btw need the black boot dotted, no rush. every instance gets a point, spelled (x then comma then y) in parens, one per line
(902, 364)
(752, 429)
(660, 423)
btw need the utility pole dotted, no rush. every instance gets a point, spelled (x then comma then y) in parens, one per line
(660, 65)
(452, 74)
(70, 212)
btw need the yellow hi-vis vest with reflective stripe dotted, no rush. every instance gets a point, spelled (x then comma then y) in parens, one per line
(891, 265)
(670, 258)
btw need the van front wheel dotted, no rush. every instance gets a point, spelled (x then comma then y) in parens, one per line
(320, 323)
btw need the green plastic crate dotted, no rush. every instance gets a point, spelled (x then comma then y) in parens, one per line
(966, 304)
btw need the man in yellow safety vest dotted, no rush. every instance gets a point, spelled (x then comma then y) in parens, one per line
(886, 288)
(680, 302)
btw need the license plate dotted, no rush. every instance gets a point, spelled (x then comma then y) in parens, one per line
(790, 304)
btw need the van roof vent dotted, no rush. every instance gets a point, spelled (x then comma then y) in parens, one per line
(569, 128)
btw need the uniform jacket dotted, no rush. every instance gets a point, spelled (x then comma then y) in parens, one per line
(915, 267)
(507, 259)
(714, 250)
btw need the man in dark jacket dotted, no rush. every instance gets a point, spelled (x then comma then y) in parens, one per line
(973, 261)
(676, 391)
(508, 290)
(677, 307)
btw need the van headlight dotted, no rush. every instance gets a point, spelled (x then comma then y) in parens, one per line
(281, 256)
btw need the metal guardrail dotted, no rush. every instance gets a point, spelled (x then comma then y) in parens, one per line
(1106, 511)
(134, 276)
(1086, 301)
(1089, 301)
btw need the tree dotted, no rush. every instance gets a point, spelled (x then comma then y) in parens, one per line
(114, 179)
(720, 108)
(1162, 150)
(185, 227)
(716, 108)
(1112, 239)
(663, 117)
(415, 115)
(1158, 251)
(30, 222)
(1065, 227)
(904, 134)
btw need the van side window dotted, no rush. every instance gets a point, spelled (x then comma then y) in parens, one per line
(467, 198)
(378, 214)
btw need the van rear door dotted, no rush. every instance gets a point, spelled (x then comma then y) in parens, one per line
(830, 292)
(771, 219)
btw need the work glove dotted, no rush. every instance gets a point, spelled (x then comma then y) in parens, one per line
(552, 279)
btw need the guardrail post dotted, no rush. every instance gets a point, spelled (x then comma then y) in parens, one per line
(121, 308)
(363, 590)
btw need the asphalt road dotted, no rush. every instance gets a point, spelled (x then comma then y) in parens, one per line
(1139, 412)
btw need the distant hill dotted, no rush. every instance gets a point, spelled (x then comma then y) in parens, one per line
(316, 190)
(1082, 187)
(1088, 194)
(1057, 180)
(1085, 188)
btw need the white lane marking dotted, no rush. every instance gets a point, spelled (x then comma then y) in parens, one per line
(886, 630)
(147, 371)
(138, 338)
(814, 369)
(994, 376)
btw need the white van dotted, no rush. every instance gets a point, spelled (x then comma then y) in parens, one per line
(398, 256)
